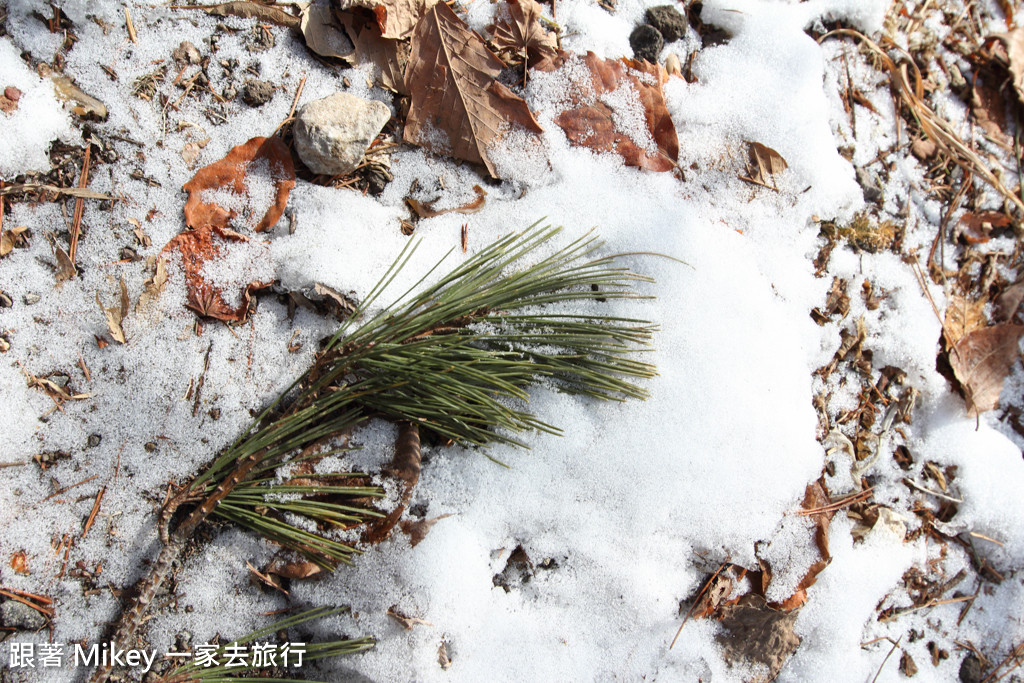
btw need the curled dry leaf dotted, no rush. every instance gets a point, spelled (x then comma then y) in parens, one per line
(981, 361)
(524, 38)
(154, 285)
(19, 562)
(115, 314)
(8, 238)
(426, 210)
(977, 228)
(268, 14)
(369, 47)
(764, 162)
(616, 91)
(323, 34)
(406, 621)
(252, 176)
(1015, 56)
(816, 506)
(396, 19)
(753, 633)
(457, 107)
(417, 530)
(195, 248)
(293, 569)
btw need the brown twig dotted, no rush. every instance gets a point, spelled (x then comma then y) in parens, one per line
(76, 224)
(94, 512)
(16, 595)
(405, 466)
(291, 112)
(704, 588)
(68, 488)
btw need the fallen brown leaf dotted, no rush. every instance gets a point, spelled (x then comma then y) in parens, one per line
(19, 562)
(753, 633)
(963, 316)
(293, 569)
(242, 178)
(196, 247)
(981, 361)
(115, 314)
(396, 19)
(765, 162)
(426, 210)
(8, 238)
(1008, 301)
(976, 228)
(390, 56)
(407, 622)
(1014, 41)
(417, 530)
(989, 109)
(248, 10)
(323, 34)
(154, 286)
(523, 37)
(632, 85)
(457, 107)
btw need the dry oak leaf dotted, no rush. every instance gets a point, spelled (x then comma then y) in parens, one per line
(323, 34)
(457, 107)
(963, 316)
(764, 163)
(243, 180)
(977, 228)
(524, 37)
(619, 90)
(195, 248)
(396, 19)
(981, 361)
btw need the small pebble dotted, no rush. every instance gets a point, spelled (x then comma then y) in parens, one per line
(32, 298)
(150, 446)
(94, 440)
(257, 93)
(5, 301)
(646, 43)
(669, 22)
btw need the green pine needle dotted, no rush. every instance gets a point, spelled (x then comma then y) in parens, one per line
(456, 357)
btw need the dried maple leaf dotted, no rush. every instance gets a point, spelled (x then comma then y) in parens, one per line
(981, 361)
(608, 108)
(457, 107)
(196, 247)
(242, 178)
(524, 37)
(397, 19)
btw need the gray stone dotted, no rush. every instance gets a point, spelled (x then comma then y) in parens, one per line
(331, 134)
(18, 615)
(669, 22)
(646, 42)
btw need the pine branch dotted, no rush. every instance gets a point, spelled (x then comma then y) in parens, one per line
(453, 358)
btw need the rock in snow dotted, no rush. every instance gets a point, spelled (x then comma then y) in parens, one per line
(332, 133)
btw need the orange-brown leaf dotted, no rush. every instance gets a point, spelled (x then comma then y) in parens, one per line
(19, 562)
(981, 361)
(457, 107)
(238, 176)
(196, 247)
(594, 123)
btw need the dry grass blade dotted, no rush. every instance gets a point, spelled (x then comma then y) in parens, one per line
(934, 126)
(43, 187)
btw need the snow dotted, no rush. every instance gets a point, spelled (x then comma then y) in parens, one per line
(636, 504)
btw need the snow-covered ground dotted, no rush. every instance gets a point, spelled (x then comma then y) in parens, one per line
(637, 504)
